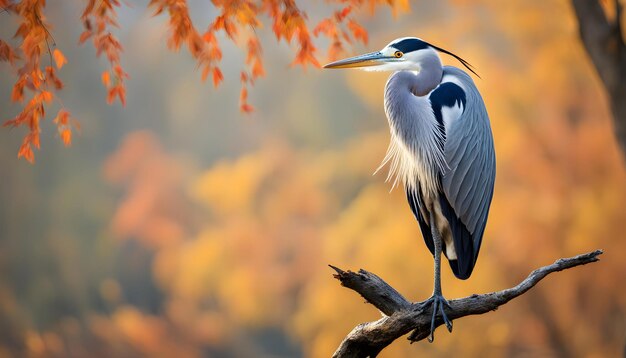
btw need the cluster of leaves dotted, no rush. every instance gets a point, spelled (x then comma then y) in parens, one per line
(99, 16)
(33, 74)
(237, 19)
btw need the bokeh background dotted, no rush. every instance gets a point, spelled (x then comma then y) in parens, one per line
(178, 226)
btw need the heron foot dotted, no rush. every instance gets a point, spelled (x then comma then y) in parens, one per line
(438, 302)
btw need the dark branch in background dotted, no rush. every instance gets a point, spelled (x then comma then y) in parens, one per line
(402, 317)
(604, 41)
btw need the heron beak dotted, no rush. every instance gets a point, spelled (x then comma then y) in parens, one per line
(367, 60)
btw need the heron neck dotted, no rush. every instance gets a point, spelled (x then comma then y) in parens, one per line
(415, 152)
(428, 77)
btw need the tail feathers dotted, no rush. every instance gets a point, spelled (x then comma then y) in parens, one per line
(415, 202)
(463, 242)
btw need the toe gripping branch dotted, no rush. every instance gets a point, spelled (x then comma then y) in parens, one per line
(438, 303)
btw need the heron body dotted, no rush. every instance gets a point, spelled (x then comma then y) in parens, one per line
(441, 150)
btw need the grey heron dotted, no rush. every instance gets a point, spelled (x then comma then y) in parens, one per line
(441, 150)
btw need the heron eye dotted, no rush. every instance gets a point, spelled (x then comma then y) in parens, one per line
(398, 54)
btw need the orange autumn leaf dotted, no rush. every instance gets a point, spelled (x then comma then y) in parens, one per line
(326, 27)
(111, 94)
(17, 94)
(341, 15)
(66, 137)
(59, 58)
(34, 139)
(7, 53)
(62, 118)
(52, 78)
(217, 76)
(258, 70)
(121, 94)
(84, 36)
(26, 149)
(205, 73)
(106, 79)
(358, 31)
(45, 96)
(35, 80)
(244, 106)
(26, 152)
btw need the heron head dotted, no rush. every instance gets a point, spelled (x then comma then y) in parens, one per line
(406, 53)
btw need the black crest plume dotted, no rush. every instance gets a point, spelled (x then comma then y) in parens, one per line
(465, 63)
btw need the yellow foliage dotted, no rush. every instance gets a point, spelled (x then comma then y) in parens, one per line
(230, 187)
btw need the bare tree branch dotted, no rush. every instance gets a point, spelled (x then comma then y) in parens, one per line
(401, 317)
(604, 41)
(373, 289)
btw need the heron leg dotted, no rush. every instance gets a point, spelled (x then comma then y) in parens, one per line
(437, 300)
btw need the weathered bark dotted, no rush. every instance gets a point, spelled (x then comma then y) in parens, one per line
(604, 41)
(402, 317)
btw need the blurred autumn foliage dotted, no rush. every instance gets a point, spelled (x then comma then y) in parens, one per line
(179, 227)
(238, 20)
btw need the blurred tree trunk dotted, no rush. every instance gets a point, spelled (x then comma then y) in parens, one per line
(604, 42)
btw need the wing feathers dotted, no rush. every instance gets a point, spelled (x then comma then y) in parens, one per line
(467, 182)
